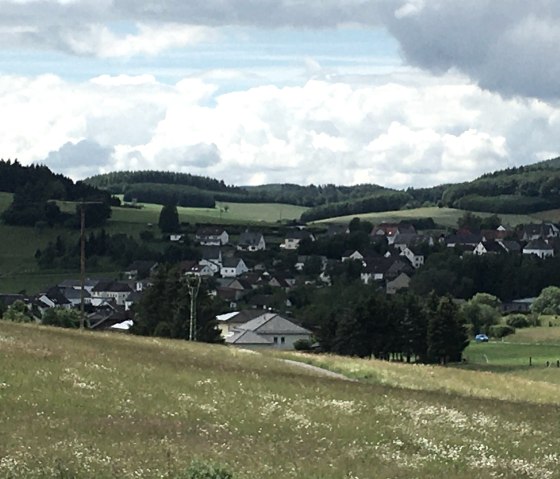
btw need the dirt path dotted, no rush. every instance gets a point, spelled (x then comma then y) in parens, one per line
(319, 371)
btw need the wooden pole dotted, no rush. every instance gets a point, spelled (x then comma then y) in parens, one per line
(82, 263)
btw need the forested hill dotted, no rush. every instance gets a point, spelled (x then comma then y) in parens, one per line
(34, 187)
(524, 189)
(191, 190)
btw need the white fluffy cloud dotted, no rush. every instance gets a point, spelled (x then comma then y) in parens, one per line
(319, 132)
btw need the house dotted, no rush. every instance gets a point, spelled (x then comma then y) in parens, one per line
(52, 298)
(510, 246)
(275, 331)
(402, 281)
(190, 267)
(106, 316)
(251, 241)
(351, 255)
(176, 237)
(140, 269)
(463, 238)
(375, 269)
(522, 305)
(416, 259)
(488, 247)
(294, 237)
(404, 240)
(212, 236)
(212, 257)
(111, 290)
(227, 322)
(132, 299)
(89, 284)
(539, 247)
(391, 230)
(539, 231)
(233, 267)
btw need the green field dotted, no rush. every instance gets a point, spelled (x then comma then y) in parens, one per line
(90, 405)
(19, 270)
(224, 213)
(442, 216)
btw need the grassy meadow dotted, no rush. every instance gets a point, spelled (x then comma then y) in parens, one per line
(93, 405)
(443, 216)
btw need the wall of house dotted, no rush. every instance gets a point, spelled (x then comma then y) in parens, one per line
(289, 339)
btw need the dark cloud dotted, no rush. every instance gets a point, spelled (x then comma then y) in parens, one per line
(72, 158)
(201, 155)
(506, 46)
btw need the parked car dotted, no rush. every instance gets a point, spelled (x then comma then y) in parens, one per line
(481, 338)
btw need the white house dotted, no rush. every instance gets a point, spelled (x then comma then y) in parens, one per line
(415, 259)
(233, 267)
(268, 330)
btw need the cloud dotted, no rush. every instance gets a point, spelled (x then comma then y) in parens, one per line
(401, 132)
(73, 159)
(201, 155)
(99, 40)
(508, 47)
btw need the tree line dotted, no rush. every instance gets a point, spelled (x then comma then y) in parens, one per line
(357, 320)
(35, 189)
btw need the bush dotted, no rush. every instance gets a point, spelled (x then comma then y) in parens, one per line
(302, 345)
(206, 470)
(501, 331)
(518, 321)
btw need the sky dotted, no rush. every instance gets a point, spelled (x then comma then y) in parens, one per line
(394, 92)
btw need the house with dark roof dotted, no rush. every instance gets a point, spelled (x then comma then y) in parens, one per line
(539, 247)
(402, 281)
(294, 237)
(212, 257)
(488, 247)
(212, 236)
(251, 241)
(140, 269)
(227, 322)
(115, 290)
(268, 330)
(543, 231)
(233, 267)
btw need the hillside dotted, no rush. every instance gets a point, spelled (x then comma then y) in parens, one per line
(89, 405)
(521, 190)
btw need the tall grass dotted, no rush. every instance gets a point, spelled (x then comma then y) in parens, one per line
(93, 405)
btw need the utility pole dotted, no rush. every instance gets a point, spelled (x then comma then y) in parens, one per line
(82, 262)
(193, 285)
(82, 205)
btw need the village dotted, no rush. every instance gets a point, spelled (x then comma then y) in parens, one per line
(253, 275)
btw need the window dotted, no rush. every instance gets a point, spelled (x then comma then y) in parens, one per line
(275, 340)
(282, 340)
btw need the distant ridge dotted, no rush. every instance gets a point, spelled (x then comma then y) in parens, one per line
(523, 189)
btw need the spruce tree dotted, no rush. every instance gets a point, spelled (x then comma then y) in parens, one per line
(169, 219)
(447, 337)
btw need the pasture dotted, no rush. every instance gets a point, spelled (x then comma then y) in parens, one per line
(442, 216)
(92, 405)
